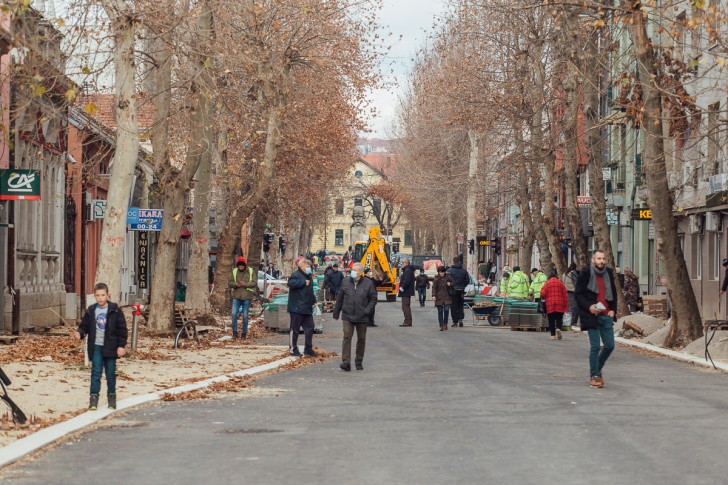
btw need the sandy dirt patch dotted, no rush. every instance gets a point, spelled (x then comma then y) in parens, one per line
(50, 382)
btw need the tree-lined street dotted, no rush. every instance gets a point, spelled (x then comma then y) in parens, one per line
(472, 405)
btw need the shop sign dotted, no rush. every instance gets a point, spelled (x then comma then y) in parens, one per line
(641, 214)
(19, 184)
(144, 219)
(142, 265)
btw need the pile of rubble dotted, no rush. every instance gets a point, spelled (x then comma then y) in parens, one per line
(639, 326)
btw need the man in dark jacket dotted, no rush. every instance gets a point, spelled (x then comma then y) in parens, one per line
(462, 279)
(596, 298)
(355, 302)
(423, 284)
(407, 291)
(301, 300)
(105, 325)
(333, 280)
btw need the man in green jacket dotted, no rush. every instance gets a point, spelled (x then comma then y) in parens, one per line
(539, 279)
(518, 285)
(505, 280)
(243, 285)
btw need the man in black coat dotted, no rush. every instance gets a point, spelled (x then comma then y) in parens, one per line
(462, 280)
(407, 291)
(355, 301)
(333, 280)
(596, 299)
(301, 300)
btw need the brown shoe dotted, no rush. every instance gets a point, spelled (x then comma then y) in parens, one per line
(601, 380)
(596, 382)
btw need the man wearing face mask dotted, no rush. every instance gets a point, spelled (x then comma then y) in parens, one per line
(301, 300)
(354, 303)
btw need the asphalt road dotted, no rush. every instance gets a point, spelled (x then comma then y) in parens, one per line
(471, 405)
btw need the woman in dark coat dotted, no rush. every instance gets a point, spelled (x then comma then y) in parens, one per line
(441, 295)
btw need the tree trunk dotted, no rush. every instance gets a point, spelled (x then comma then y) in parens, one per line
(592, 62)
(569, 42)
(255, 242)
(523, 198)
(228, 238)
(198, 288)
(113, 232)
(686, 322)
(549, 241)
(175, 184)
(264, 181)
(471, 215)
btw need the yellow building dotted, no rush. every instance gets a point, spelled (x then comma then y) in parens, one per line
(353, 211)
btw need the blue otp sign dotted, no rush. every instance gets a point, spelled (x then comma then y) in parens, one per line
(144, 219)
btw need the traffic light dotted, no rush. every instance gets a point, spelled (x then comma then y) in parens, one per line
(395, 247)
(268, 239)
(495, 244)
(471, 246)
(282, 245)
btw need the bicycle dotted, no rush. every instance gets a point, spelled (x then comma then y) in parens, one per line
(188, 331)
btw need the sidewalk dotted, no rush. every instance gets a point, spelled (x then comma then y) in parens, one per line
(50, 382)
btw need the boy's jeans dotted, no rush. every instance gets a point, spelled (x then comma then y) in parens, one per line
(238, 307)
(605, 331)
(100, 364)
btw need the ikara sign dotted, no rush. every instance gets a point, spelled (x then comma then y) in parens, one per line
(144, 219)
(19, 184)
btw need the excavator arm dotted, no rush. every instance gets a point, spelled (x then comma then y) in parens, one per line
(376, 252)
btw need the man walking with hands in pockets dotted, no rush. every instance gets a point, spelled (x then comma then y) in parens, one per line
(355, 301)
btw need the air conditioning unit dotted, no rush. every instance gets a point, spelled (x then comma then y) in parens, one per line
(713, 222)
(88, 213)
(695, 224)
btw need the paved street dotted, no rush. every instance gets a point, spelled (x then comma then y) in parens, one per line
(472, 405)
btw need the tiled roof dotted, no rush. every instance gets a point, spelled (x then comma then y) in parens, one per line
(106, 109)
(381, 162)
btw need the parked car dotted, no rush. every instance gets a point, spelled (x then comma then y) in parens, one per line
(269, 286)
(474, 288)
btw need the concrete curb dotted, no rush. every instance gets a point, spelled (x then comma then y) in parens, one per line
(682, 356)
(46, 436)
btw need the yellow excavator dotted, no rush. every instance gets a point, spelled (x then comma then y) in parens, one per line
(375, 255)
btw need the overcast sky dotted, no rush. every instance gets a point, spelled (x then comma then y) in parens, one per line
(412, 19)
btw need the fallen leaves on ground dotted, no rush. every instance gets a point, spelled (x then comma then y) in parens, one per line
(233, 384)
(32, 348)
(323, 356)
(196, 395)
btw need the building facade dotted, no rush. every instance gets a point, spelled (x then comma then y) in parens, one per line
(353, 210)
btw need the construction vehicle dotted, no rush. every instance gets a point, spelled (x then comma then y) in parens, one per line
(377, 250)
